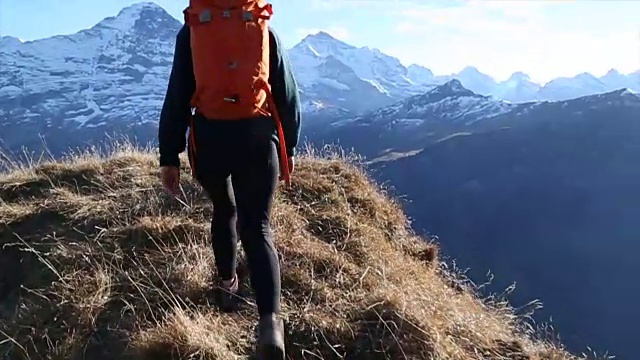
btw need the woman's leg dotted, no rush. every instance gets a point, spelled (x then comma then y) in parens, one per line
(254, 183)
(224, 237)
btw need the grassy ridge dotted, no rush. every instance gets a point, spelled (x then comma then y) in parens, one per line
(99, 264)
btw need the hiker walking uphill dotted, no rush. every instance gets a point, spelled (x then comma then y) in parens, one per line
(231, 68)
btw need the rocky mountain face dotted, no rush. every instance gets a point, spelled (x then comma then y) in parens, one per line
(545, 195)
(335, 74)
(77, 87)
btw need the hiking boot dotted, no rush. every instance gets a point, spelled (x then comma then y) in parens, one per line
(271, 338)
(228, 295)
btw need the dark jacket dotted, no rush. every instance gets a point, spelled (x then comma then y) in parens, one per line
(176, 110)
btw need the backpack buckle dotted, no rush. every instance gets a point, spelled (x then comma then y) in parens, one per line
(232, 99)
(247, 16)
(226, 13)
(204, 16)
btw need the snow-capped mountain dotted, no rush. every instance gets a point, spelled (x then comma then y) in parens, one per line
(518, 88)
(450, 102)
(9, 42)
(333, 72)
(564, 88)
(110, 72)
(615, 80)
(110, 76)
(472, 78)
(420, 75)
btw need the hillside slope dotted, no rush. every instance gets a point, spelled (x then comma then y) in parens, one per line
(97, 263)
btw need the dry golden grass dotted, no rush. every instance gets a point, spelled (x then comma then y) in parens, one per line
(97, 263)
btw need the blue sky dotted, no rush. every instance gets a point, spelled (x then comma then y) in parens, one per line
(544, 38)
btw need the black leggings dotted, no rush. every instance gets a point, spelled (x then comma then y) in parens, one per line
(241, 183)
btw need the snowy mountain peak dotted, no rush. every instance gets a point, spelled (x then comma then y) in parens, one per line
(613, 72)
(450, 102)
(470, 70)
(472, 78)
(623, 93)
(448, 93)
(420, 69)
(324, 40)
(9, 43)
(323, 35)
(138, 16)
(9, 40)
(452, 88)
(586, 77)
(324, 64)
(616, 80)
(519, 76)
(420, 75)
(142, 9)
(320, 45)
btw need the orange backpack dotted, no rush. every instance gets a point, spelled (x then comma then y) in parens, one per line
(230, 51)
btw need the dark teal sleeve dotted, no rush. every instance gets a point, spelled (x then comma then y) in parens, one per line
(285, 92)
(176, 108)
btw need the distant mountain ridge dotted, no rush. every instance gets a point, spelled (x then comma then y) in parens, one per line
(451, 109)
(329, 66)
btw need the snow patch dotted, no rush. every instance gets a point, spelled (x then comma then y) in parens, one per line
(449, 137)
(334, 84)
(377, 86)
(410, 122)
(10, 90)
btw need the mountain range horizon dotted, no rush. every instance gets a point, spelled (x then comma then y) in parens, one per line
(468, 69)
(102, 75)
